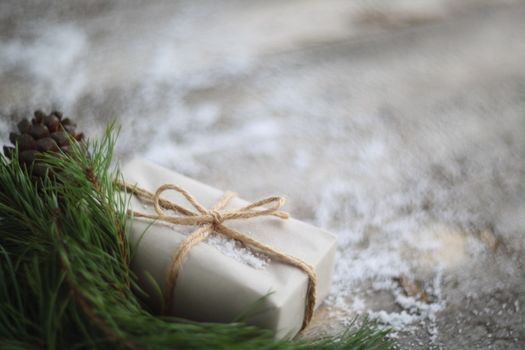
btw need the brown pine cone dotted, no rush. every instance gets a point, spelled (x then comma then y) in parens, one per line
(43, 134)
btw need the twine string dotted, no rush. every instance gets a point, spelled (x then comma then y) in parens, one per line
(212, 220)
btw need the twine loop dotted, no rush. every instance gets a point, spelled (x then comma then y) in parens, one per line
(212, 220)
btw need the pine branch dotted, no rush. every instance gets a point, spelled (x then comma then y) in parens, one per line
(66, 280)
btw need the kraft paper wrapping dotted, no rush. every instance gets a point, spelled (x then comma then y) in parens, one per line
(212, 287)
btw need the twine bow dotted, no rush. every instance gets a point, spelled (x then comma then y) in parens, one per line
(212, 220)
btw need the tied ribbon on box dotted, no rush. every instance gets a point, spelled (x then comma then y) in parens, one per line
(212, 220)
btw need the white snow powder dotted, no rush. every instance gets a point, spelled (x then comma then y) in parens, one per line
(227, 246)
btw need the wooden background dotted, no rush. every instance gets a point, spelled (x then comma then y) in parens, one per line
(399, 125)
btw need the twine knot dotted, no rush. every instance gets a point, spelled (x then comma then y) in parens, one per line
(217, 217)
(212, 220)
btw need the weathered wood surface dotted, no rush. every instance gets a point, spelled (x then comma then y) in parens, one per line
(366, 114)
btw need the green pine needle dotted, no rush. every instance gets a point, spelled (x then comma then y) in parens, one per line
(65, 281)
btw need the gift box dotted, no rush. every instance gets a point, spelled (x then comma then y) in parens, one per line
(213, 285)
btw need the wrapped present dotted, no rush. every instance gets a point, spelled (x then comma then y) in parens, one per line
(197, 280)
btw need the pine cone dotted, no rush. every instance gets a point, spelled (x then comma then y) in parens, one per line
(44, 134)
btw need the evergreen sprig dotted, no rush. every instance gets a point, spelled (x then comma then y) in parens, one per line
(65, 280)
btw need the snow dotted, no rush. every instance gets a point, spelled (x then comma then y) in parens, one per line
(229, 247)
(238, 251)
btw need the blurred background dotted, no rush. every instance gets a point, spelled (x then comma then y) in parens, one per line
(398, 125)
